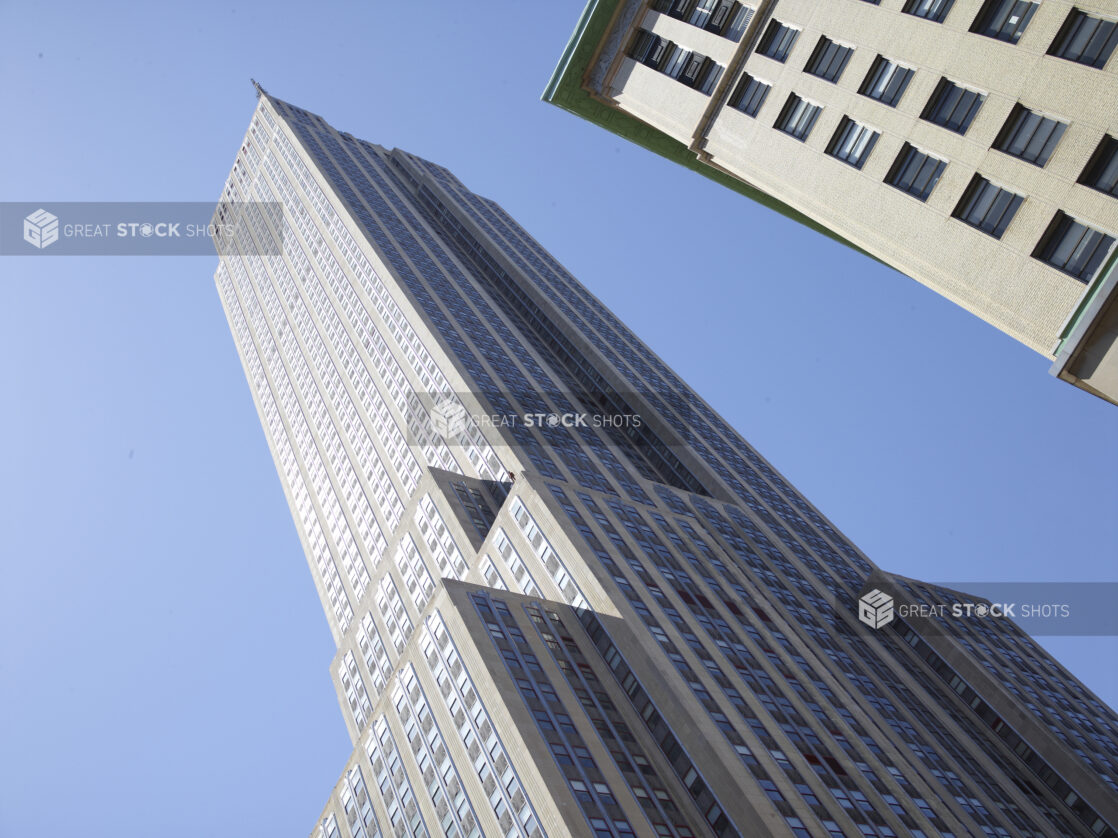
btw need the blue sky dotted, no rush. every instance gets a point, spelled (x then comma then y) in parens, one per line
(163, 657)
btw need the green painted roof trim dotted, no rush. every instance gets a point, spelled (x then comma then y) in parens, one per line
(1102, 280)
(564, 90)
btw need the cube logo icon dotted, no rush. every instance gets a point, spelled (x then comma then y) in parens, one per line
(40, 229)
(449, 418)
(875, 609)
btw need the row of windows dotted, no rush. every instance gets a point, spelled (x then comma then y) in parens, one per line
(727, 18)
(1083, 38)
(686, 66)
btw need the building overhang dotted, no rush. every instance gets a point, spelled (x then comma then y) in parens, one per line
(1087, 352)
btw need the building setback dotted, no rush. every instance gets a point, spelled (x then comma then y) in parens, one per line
(970, 144)
(620, 621)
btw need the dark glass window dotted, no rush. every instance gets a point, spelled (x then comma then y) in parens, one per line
(886, 81)
(750, 95)
(1030, 136)
(1073, 248)
(828, 60)
(915, 172)
(1085, 39)
(1005, 20)
(934, 10)
(852, 142)
(649, 49)
(987, 207)
(1101, 172)
(797, 117)
(777, 41)
(952, 107)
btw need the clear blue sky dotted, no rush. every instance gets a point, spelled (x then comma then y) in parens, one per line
(163, 657)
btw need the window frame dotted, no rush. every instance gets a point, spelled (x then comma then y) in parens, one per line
(747, 80)
(1016, 122)
(878, 67)
(847, 129)
(774, 34)
(841, 51)
(1103, 159)
(936, 101)
(975, 195)
(984, 21)
(903, 162)
(1071, 28)
(935, 11)
(1059, 230)
(790, 105)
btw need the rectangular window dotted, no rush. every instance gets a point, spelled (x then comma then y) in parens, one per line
(649, 49)
(1030, 136)
(1085, 39)
(933, 10)
(750, 95)
(699, 72)
(1073, 248)
(1004, 20)
(952, 107)
(777, 41)
(828, 60)
(852, 142)
(915, 172)
(1101, 172)
(987, 207)
(798, 116)
(737, 22)
(886, 81)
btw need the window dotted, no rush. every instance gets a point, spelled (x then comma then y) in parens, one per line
(699, 73)
(828, 60)
(1101, 172)
(750, 95)
(777, 41)
(987, 207)
(1030, 136)
(1085, 39)
(649, 49)
(1073, 248)
(852, 142)
(1004, 19)
(952, 107)
(797, 117)
(933, 10)
(886, 81)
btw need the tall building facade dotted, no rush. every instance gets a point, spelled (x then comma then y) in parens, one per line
(568, 599)
(970, 144)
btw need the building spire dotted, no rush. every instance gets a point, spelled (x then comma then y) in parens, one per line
(260, 91)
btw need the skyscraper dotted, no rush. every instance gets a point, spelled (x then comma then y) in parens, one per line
(970, 144)
(568, 599)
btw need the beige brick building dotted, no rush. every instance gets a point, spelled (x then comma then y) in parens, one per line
(971, 144)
